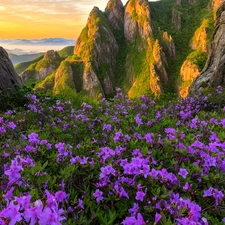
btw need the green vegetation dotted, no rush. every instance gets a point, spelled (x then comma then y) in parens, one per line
(192, 17)
(46, 84)
(63, 77)
(65, 52)
(116, 162)
(23, 66)
(199, 58)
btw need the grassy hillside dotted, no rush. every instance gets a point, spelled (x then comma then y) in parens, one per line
(65, 52)
(23, 66)
(16, 59)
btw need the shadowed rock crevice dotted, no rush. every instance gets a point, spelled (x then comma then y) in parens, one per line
(78, 70)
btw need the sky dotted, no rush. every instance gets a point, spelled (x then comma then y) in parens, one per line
(36, 19)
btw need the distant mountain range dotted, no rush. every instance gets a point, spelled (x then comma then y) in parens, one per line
(22, 50)
(39, 42)
(23, 58)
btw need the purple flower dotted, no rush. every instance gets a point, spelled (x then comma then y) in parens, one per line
(140, 196)
(183, 172)
(149, 138)
(9, 194)
(80, 203)
(222, 122)
(208, 193)
(117, 136)
(158, 217)
(132, 220)
(50, 216)
(186, 186)
(12, 212)
(60, 196)
(106, 170)
(138, 120)
(107, 127)
(61, 149)
(129, 221)
(133, 211)
(31, 214)
(98, 195)
(33, 138)
(2, 130)
(140, 220)
(13, 173)
(12, 125)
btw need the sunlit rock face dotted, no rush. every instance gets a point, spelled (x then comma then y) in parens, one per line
(189, 71)
(115, 14)
(137, 20)
(8, 76)
(213, 73)
(97, 46)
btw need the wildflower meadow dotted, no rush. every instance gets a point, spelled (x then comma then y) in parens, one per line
(129, 162)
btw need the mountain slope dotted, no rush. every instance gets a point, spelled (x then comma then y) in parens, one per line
(143, 47)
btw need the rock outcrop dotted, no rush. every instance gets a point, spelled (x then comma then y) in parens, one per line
(215, 4)
(213, 73)
(189, 71)
(192, 2)
(178, 2)
(200, 39)
(8, 76)
(42, 68)
(115, 14)
(97, 46)
(160, 62)
(137, 20)
(169, 45)
(176, 19)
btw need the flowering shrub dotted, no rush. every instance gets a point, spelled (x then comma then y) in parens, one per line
(122, 162)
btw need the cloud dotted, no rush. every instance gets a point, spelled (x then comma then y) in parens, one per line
(2, 8)
(62, 15)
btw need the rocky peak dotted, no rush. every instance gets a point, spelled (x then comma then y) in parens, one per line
(97, 46)
(213, 73)
(178, 2)
(176, 19)
(199, 40)
(38, 71)
(169, 44)
(51, 55)
(8, 75)
(192, 2)
(115, 14)
(160, 61)
(137, 20)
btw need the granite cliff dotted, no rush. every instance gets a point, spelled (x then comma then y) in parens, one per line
(8, 76)
(213, 73)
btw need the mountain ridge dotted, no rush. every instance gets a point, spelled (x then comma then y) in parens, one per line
(139, 48)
